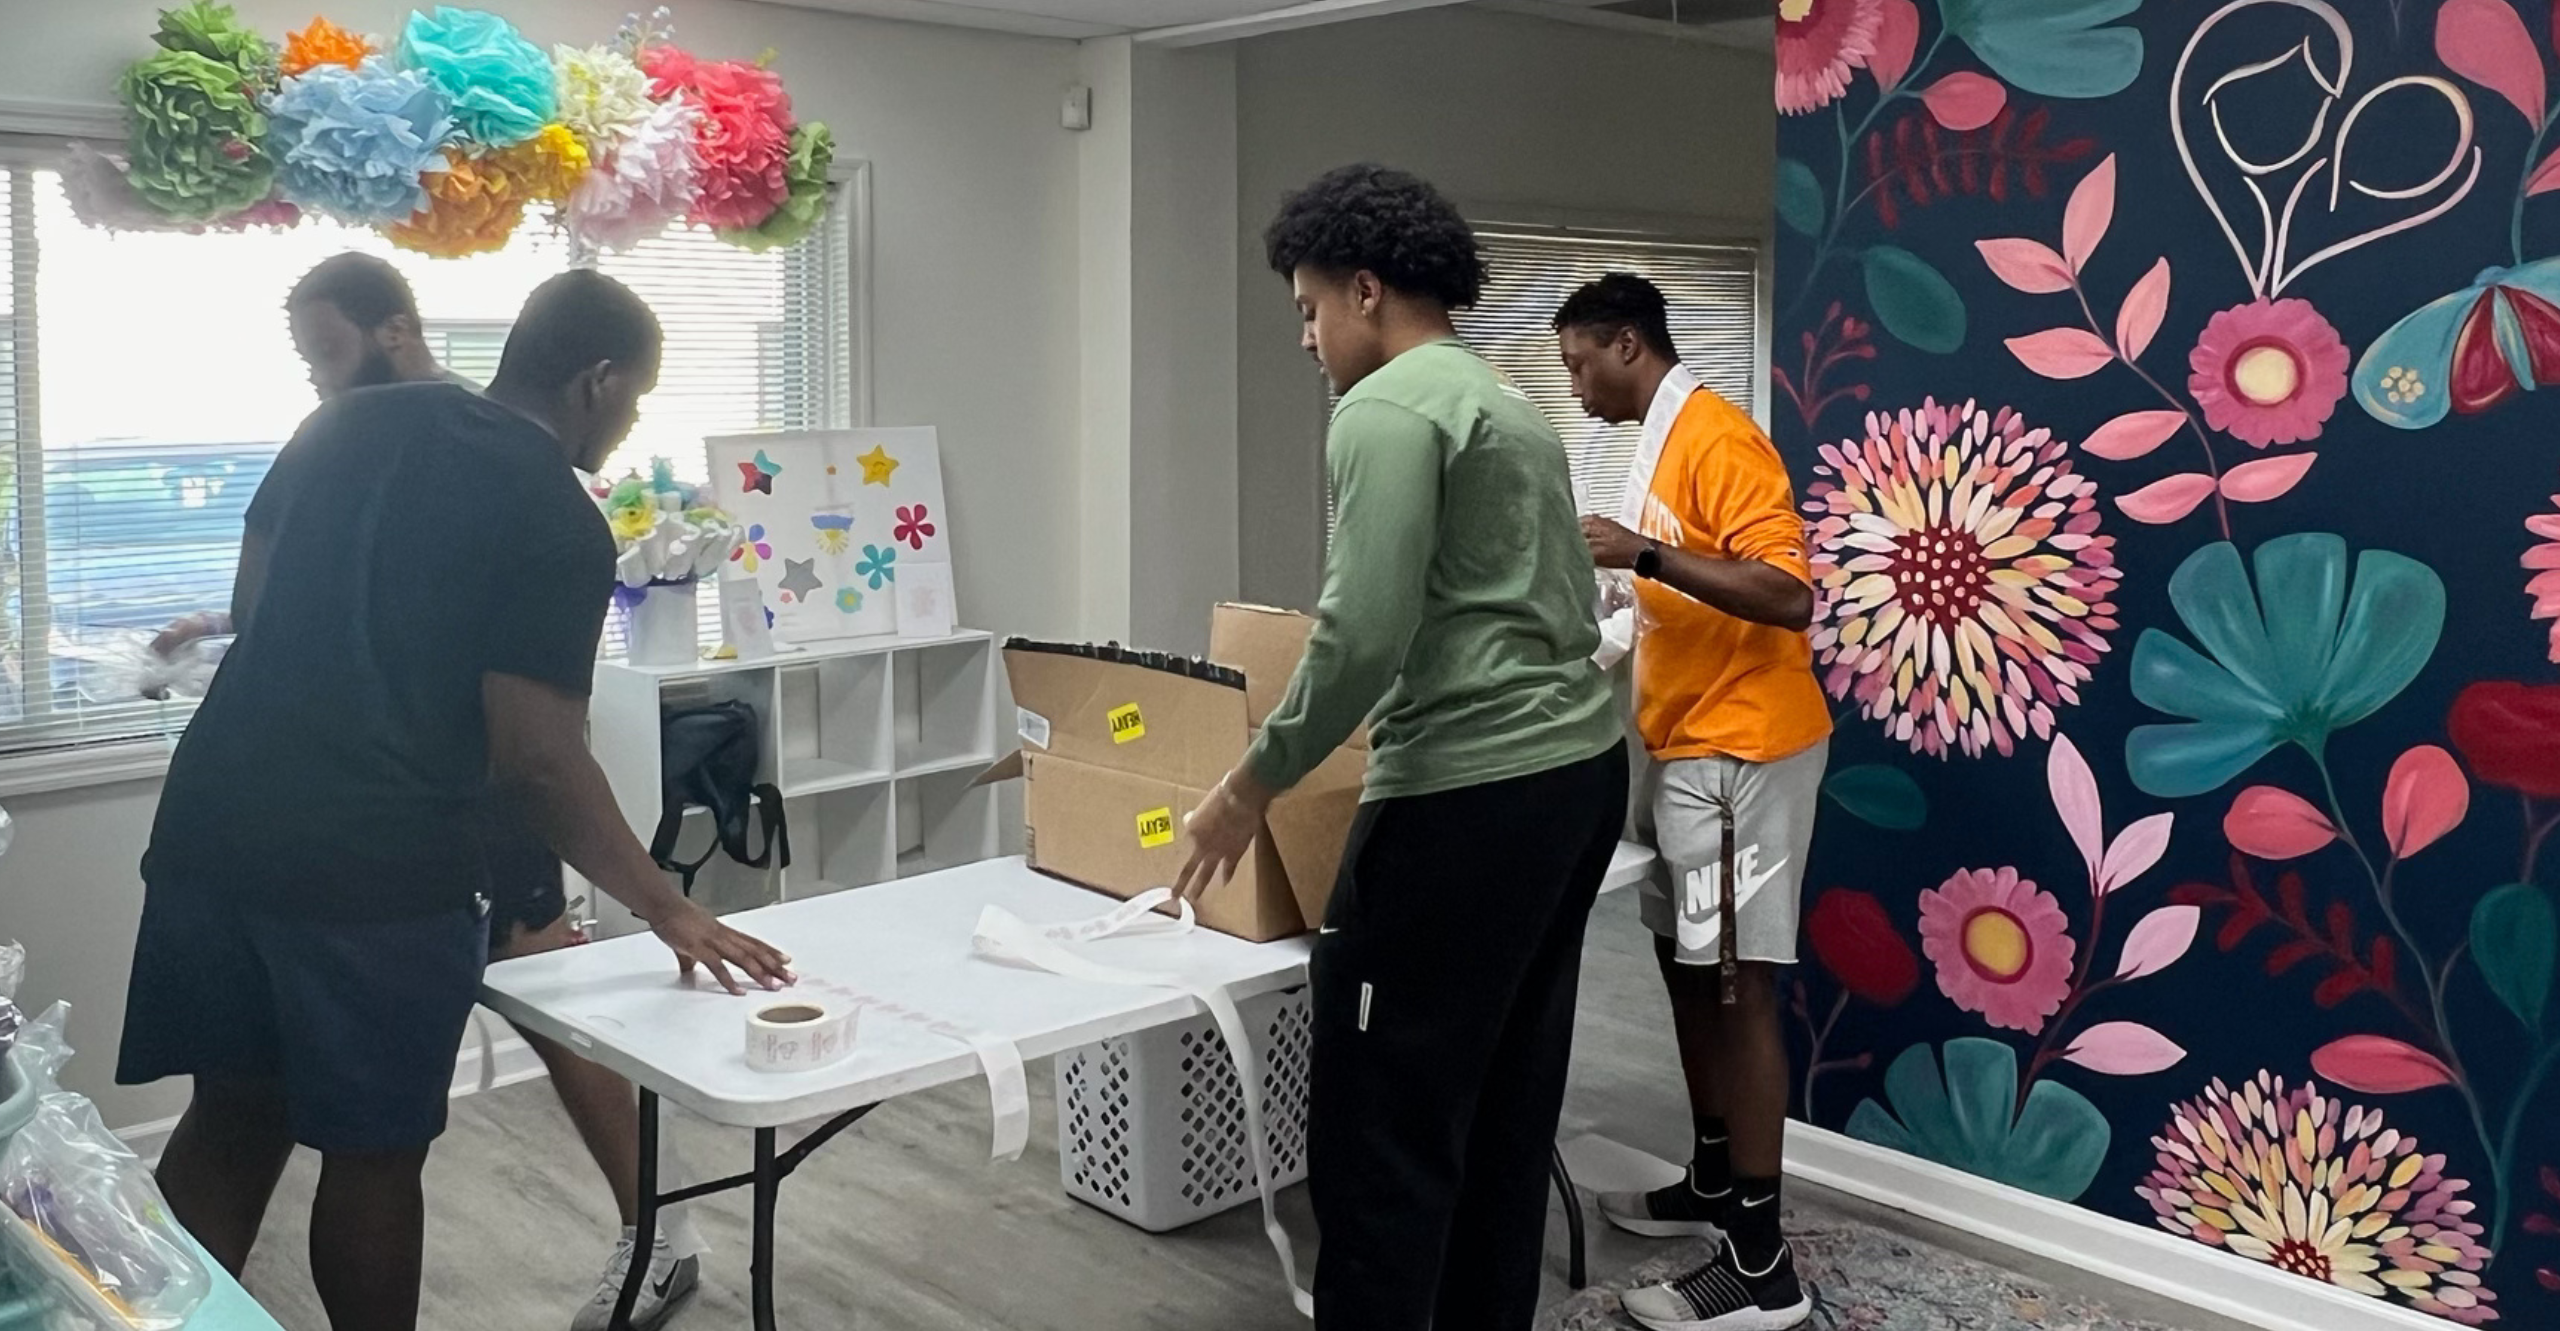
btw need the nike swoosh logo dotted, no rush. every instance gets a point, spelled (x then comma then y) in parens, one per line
(665, 1283)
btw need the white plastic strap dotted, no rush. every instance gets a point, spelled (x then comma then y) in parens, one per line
(1008, 1091)
(1004, 937)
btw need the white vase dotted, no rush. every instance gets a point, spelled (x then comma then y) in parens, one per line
(661, 629)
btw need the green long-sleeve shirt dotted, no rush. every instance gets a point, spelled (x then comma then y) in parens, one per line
(1456, 611)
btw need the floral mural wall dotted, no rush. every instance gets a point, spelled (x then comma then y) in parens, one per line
(2161, 377)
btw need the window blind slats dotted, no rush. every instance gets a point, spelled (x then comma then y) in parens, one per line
(169, 382)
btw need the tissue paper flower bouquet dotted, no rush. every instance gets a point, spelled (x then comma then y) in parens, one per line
(666, 539)
(446, 136)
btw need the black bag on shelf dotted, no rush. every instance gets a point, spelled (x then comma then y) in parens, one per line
(707, 758)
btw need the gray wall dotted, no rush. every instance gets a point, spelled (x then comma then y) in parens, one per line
(1518, 119)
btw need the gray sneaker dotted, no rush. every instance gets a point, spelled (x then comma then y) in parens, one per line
(670, 1281)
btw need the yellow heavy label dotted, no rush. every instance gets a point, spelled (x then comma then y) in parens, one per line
(1155, 828)
(1127, 725)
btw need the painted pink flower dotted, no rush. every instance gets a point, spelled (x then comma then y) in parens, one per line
(2307, 1184)
(1819, 43)
(2268, 372)
(2544, 562)
(2001, 946)
(1964, 590)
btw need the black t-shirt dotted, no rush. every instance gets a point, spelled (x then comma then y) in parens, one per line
(418, 537)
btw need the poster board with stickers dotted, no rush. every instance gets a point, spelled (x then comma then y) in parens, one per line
(846, 533)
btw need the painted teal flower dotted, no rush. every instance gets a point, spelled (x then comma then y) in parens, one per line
(2053, 1145)
(878, 565)
(2292, 661)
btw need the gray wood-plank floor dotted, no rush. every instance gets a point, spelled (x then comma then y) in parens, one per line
(902, 1225)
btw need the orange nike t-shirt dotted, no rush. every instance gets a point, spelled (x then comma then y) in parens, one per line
(1706, 682)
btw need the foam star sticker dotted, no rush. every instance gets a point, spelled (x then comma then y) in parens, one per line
(759, 474)
(876, 465)
(799, 578)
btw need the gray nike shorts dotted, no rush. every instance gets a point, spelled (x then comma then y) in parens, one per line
(1681, 814)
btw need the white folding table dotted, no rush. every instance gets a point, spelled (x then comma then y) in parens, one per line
(618, 1002)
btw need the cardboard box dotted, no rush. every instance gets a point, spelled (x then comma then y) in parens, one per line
(1116, 755)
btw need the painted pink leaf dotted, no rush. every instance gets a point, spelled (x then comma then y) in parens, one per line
(2075, 797)
(2162, 937)
(2425, 798)
(2030, 266)
(2124, 1049)
(2266, 478)
(1897, 37)
(2092, 206)
(2168, 500)
(2546, 177)
(2144, 307)
(2379, 1065)
(2275, 824)
(2135, 850)
(2133, 434)
(2063, 353)
(1965, 101)
(2485, 41)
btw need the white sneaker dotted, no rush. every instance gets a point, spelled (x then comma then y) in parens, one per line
(670, 1281)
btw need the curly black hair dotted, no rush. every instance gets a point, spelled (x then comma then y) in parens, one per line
(1616, 303)
(1383, 221)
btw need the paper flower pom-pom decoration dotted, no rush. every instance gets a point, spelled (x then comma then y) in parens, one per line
(192, 137)
(547, 166)
(357, 143)
(473, 205)
(645, 182)
(214, 32)
(323, 43)
(100, 197)
(813, 150)
(500, 84)
(603, 95)
(745, 137)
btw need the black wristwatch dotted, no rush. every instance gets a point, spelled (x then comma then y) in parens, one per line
(1648, 563)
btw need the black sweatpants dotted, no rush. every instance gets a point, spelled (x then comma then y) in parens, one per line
(1443, 991)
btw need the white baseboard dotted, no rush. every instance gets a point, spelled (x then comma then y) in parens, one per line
(2206, 1278)
(514, 1060)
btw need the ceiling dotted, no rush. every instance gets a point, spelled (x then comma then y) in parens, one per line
(1184, 22)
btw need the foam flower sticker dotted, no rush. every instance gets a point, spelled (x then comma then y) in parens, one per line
(2303, 653)
(755, 550)
(639, 185)
(357, 144)
(501, 84)
(877, 565)
(193, 133)
(743, 138)
(323, 43)
(912, 527)
(849, 600)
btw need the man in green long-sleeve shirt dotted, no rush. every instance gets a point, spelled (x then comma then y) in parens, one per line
(1456, 615)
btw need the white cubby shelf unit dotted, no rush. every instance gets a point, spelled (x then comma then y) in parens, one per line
(873, 742)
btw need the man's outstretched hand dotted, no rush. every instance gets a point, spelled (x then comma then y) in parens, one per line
(699, 939)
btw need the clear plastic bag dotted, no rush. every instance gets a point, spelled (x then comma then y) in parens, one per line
(81, 1223)
(13, 967)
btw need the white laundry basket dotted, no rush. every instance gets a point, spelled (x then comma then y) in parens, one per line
(1151, 1128)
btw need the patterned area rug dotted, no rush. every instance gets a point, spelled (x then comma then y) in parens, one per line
(1866, 1278)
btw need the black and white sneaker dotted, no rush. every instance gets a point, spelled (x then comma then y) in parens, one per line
(1721, 1296)
(670, 1281)
(1674, 1211)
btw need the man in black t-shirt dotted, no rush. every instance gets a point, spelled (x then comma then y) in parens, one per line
(418, 607)
(355, 325)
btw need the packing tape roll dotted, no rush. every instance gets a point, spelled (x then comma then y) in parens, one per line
(798, 1036)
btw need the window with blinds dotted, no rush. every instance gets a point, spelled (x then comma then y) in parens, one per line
(148, 381)
(1714, 295)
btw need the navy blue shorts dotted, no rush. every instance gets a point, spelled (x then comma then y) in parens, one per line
(360, 1021)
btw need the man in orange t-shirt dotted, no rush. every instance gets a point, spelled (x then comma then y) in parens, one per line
(1738, 729)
